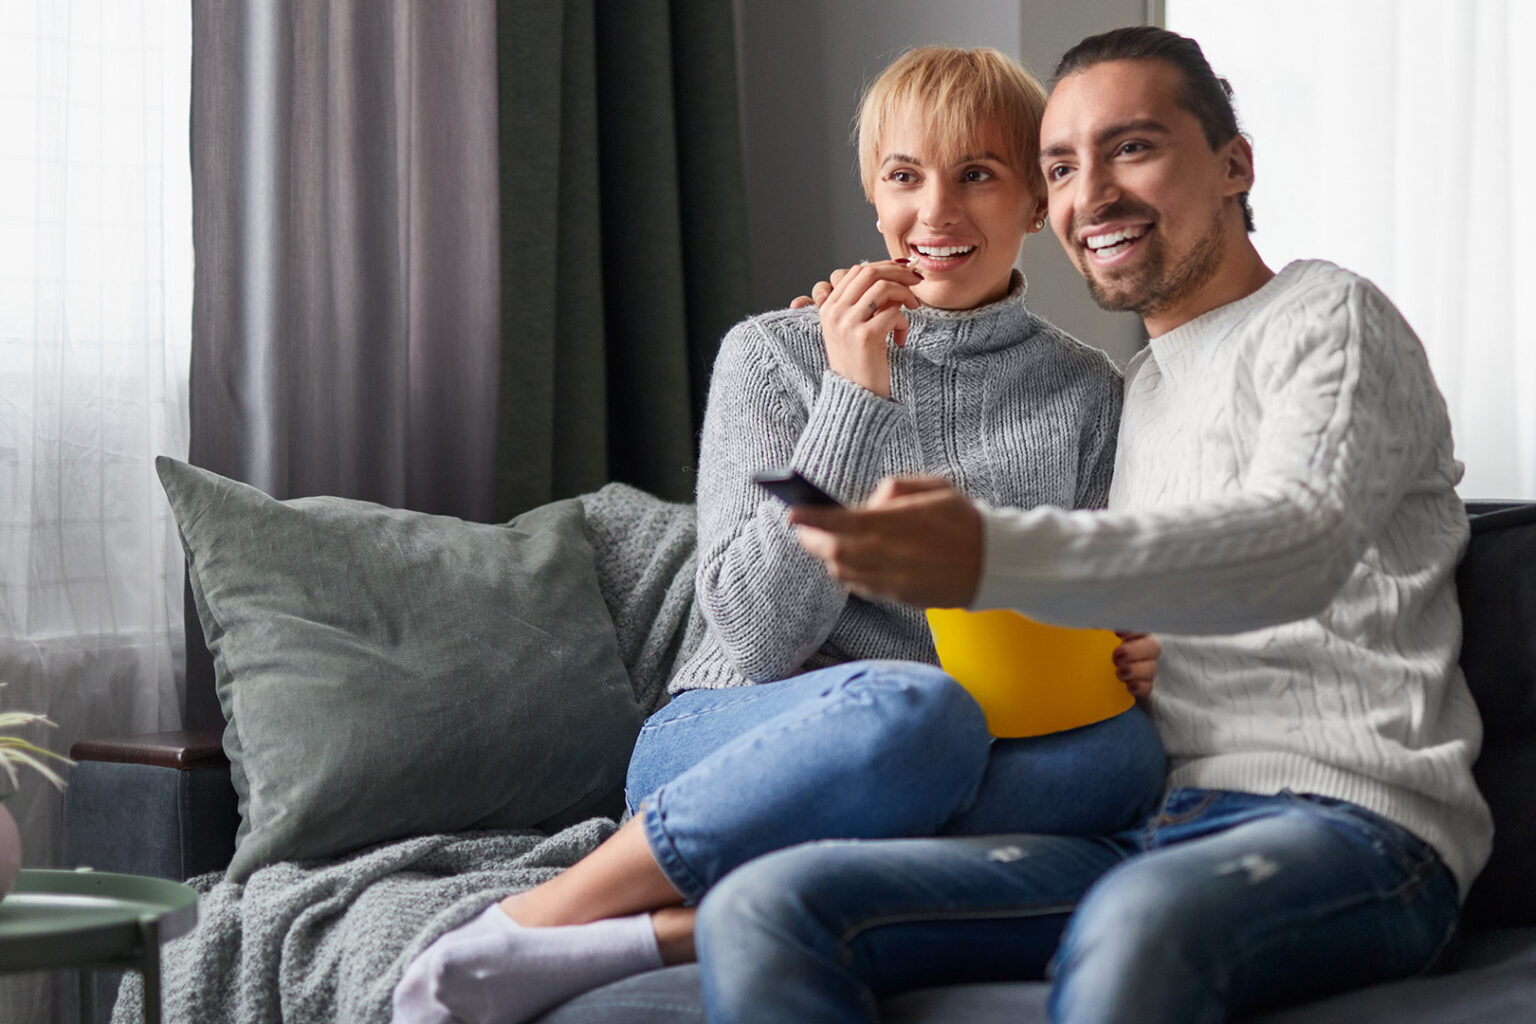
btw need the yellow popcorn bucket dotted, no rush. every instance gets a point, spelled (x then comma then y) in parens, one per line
(1029, 678)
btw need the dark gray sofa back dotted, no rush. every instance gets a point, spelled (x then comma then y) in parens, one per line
(1497, 584)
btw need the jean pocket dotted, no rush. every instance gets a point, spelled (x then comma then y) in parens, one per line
(1401, 865)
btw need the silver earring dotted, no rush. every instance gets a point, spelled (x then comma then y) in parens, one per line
(877, 223)
(1039, 225)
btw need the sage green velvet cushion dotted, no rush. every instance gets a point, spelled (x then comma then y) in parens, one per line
(385, 673)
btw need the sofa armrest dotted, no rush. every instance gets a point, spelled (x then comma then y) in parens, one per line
(184, 750)
(158, 804)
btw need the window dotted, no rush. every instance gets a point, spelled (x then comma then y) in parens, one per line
(95, 322)
(1389, 137)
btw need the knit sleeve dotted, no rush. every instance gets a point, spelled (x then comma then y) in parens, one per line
(1348, 418)
(769, 603)
(1096, 453)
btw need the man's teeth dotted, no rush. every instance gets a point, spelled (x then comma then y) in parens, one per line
(1112, 242)
(941, 251)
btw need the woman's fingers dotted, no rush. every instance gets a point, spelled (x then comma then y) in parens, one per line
(1136, 662)
(859, 308)
(880, 292)
(864, 308)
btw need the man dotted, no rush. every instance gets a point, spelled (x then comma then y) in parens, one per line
(1283, 513)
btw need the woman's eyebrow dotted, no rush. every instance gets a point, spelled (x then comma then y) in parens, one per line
(965, 159)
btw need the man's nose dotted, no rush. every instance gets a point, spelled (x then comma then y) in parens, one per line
(1096, 188)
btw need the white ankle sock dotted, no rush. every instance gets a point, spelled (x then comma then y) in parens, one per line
(495, 971)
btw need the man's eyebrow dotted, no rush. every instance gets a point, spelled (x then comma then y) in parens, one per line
(1142, 124)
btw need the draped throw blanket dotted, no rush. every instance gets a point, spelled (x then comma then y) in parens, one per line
(324, 942)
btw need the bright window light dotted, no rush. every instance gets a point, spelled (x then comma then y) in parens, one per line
(1393, 137)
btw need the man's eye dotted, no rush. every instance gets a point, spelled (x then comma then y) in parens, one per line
(1132, 147)
(1057, 171)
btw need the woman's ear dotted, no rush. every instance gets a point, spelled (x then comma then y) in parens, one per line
(1037, 219)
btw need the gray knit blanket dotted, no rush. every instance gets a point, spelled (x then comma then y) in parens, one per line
(324, 942)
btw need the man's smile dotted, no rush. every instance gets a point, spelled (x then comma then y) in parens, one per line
(1105, 247)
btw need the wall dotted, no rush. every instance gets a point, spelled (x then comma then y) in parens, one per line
(803, 63)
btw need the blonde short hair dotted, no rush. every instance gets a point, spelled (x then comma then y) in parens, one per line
(959, 94)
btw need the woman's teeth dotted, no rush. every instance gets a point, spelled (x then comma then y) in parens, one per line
(939, 252)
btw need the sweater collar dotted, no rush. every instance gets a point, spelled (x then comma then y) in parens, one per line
(989, 328)
(1223, 320)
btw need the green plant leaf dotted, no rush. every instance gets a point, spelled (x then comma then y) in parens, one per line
(15, 751)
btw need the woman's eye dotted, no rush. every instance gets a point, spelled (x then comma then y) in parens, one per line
(902, 177)
(978, 174)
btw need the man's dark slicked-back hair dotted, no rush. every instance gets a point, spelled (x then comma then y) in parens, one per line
(1206, 94)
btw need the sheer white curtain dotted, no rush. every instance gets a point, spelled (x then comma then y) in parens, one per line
(1396, 137)
(95, 313)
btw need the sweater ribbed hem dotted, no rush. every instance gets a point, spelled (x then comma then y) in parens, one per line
(1457, 834)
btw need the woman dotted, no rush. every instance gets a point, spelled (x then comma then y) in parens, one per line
(926, 363)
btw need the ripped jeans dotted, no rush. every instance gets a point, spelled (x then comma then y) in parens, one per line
(867, 750)
(1220, 903)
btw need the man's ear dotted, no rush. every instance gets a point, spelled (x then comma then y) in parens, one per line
(1237, 166)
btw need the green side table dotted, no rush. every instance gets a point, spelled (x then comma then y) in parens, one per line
(92, 920)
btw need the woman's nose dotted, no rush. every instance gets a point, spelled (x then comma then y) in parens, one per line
(940, 204)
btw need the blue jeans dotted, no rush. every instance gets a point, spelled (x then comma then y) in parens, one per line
(1222, 902)
(868, 750)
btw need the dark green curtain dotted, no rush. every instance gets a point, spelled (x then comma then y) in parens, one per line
(623, 240)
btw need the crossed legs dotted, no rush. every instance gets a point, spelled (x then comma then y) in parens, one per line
(773, 765)
(867, 750)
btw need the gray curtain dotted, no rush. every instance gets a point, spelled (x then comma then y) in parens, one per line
(459, 256)
(624, 241)
(345, 313)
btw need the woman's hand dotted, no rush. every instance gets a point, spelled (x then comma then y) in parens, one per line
(1136, 662)
(819, 292)
(865, 306)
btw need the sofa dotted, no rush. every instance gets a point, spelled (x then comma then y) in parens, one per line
(165, 805)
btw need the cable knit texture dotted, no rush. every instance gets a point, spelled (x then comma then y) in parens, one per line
(997, 401)
(1285, 488)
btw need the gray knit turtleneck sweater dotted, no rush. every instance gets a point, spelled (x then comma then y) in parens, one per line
(1001, 403)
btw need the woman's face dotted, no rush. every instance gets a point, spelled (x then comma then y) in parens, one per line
(959, 221)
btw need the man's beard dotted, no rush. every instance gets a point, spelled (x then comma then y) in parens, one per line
(1154, 286)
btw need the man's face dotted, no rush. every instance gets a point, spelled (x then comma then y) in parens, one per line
(1137, 197)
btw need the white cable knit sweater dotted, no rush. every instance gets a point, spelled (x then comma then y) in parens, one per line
(1283, 513)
